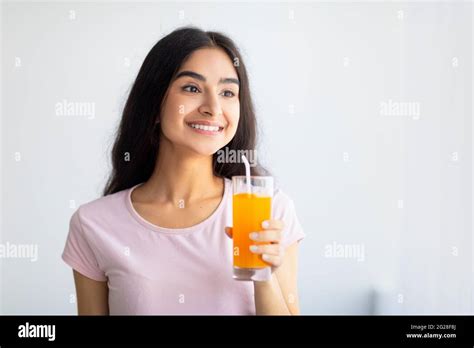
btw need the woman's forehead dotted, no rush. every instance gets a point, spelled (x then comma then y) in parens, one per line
(212, 63)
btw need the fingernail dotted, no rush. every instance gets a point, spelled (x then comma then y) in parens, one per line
(265, 224)
(253, 248)
(253, 235)
(265, 257)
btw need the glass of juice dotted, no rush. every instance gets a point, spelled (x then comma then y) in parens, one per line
(251, 205)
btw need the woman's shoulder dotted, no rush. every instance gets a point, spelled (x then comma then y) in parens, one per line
(282, 201)
(110, 205)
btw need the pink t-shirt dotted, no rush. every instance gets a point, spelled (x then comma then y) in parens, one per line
(155, 270)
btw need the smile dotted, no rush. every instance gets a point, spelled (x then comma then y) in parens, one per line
(203, 129)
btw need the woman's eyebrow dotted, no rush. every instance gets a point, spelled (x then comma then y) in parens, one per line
(202, 78)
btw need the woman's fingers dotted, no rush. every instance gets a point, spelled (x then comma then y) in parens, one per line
(269, 249)
(271, 232)
(266, 236)
(274, 261)
(273, 224)
(228, 231)
(271, 253)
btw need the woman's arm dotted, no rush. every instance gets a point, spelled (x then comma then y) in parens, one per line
(279, 296)
(92, 295)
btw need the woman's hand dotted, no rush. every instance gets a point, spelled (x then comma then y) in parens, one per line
(273, 252)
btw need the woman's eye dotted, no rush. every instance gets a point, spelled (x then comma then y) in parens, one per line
(230, 94)
(190, 88)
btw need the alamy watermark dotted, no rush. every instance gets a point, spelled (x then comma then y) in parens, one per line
(345, 251)
(227, 155)
(28, 330)
(19, 251)
(400, 108)
(70, 108)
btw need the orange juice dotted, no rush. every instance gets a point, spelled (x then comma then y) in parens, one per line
(249, 211)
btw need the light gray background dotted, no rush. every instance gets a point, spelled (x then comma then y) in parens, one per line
(398, 185)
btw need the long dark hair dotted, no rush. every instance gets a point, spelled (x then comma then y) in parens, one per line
(137, 138)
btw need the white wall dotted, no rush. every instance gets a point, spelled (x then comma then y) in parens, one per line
(390, 184)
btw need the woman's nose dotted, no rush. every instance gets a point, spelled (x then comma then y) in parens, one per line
(211, 107)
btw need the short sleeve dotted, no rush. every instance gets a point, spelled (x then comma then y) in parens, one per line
(78, 252)
(284, 209)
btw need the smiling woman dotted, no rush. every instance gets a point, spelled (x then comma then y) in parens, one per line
(155, 243)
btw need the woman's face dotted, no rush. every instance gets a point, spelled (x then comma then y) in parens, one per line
(204, 94)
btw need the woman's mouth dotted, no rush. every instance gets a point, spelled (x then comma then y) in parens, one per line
(203, 129)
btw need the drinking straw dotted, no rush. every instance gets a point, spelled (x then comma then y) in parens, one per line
(247, 172)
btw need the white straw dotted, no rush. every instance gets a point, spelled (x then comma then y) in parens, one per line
(247, 173)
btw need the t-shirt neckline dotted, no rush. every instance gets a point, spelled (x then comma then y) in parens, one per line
(148, 225)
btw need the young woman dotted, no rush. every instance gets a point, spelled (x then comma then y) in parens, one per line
(159, 241)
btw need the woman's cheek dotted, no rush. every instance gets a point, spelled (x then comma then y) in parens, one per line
(180, 106)
(234, 122)
(175, 111)
(232, 130)
(172, 124)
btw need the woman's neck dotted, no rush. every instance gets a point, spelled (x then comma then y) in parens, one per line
(181, 175)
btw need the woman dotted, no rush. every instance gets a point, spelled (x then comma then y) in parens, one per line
(159, 241)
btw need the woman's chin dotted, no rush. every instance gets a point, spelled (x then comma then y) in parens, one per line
(206, 151)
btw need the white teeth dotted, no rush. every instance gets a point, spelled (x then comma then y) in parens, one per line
(207, 128)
